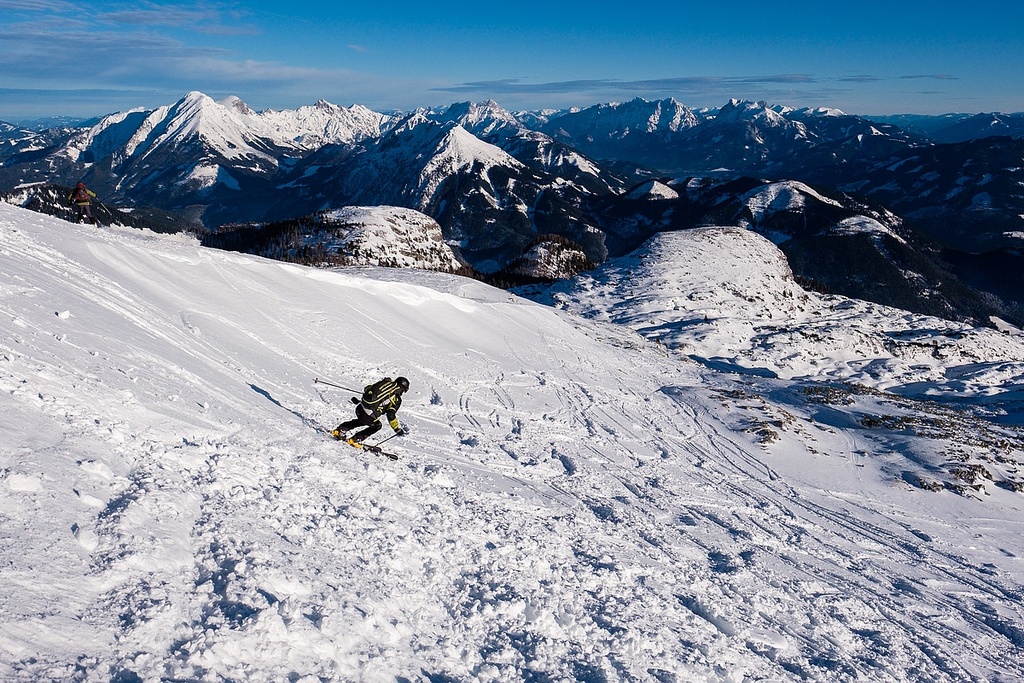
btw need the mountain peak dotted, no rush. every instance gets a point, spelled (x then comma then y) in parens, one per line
(236, 103)
(482, 119)
(195, 97)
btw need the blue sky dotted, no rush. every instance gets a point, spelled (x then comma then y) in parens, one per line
(91, 58)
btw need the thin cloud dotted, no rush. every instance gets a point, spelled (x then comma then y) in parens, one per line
(780, 78)
(515, 86)
(211, 19)
(30, 56)
(37, 6)
(935, 77)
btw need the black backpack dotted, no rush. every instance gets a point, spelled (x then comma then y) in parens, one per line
(378, 394)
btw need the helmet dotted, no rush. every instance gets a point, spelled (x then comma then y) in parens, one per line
(403, 383)
(80, 184)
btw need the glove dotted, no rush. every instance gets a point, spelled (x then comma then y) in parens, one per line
(354, 400)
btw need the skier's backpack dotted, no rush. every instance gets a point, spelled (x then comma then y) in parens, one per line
(81, 194)
(377, 394)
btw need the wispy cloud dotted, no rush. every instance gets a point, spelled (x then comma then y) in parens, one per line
(677, 84)
(37, 6)
(933, 77)
(209, 17)
(204, 18)
(55, 46)
(88, 73)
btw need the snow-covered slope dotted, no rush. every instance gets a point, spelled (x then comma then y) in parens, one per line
(619, 120)
(230, 129)
(771, 198)
(324, 123)
(729, 293)
(573, 502)
(481, 119)
(197, 146)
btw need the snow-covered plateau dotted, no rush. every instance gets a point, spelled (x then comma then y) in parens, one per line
(576, 500)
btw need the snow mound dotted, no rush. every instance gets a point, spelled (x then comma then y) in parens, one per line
(788, 195)
(864, 225)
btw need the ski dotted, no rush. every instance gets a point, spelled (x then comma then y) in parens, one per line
(376, 450)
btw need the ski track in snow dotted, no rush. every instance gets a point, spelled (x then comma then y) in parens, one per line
(572, 502)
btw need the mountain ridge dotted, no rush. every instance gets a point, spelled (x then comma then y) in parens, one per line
(495, 181)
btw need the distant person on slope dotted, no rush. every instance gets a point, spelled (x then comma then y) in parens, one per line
(81, 199)
(380, 398)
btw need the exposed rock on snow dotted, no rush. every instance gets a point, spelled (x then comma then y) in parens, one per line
(550, 258)
(391, 236)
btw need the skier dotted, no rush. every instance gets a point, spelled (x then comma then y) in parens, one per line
(81, 198)
(380, 398)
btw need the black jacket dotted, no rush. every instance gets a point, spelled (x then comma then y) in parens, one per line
(382, 398)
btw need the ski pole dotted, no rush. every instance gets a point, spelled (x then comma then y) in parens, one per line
(317, 380)
(386, 440)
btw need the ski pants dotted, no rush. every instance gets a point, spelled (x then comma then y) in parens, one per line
(363, 419)
(83, 210)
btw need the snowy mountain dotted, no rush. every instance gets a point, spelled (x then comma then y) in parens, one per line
(324, 123)
(740, 138)
(749, 311)
(951, 128)
(197, 150)
(11, 132)
(834, 241)
(573, 502)
(600, 177)
(967, 198)
(483, 120)
(490, 204)
(618, 121)
(229, 129)
(967, 194)
(495, 125)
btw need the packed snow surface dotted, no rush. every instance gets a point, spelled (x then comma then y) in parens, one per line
(573, 501)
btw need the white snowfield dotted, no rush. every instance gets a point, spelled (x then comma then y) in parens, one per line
(729, 294)
(573, 502)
